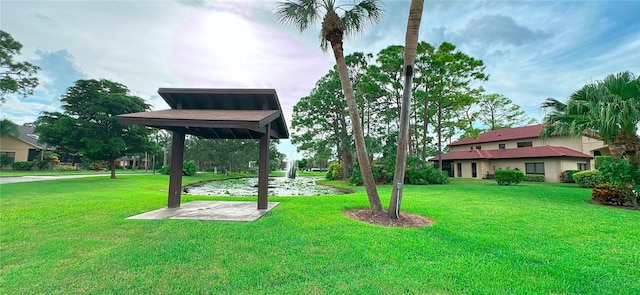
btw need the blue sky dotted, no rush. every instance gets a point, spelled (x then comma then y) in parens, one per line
(532, 49)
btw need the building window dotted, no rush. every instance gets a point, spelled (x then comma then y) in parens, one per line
(471, 147)
(525, 144)
(501, 146)
(597, 153)
(7, 158)
(534, 168)
(478, 147)
(582, 166)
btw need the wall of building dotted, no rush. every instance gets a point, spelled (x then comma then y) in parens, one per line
(582, 144)
(509, 144)
(467, 171)
(21, 149)
(553, 167)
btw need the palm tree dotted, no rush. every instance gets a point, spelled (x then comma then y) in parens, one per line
(410, 52)
(354, 18)
(610, 107)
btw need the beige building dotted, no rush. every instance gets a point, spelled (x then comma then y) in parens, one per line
(23, 148)
(523, 149)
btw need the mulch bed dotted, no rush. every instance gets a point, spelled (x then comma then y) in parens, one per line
(629, 207)
(406, 220)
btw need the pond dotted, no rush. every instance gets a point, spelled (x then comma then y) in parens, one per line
(278, 186)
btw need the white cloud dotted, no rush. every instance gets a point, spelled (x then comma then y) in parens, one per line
(532, 49)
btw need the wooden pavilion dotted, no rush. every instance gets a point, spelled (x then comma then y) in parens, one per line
(216, 113)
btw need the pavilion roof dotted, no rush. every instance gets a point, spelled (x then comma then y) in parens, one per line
(216, 113)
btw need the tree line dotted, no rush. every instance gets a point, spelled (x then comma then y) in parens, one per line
(448, 102)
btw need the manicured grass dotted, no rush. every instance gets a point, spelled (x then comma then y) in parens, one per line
(71, 236)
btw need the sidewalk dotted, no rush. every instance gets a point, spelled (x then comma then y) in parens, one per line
(4, 180)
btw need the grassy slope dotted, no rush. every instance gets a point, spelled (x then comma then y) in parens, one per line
(70, 236)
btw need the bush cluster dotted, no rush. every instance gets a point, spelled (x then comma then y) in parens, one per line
(567, 176)
(418, 172)
(64, 168)
(533, 178)
(426, 175)
(588, 178)
(334, 171)
(600, 161)
(96, 166)
(508, 177)
(382, 174)
(46, 161)
(189, 168)
(5, 160)
(611, 195)
(22, 166)
(356, 178)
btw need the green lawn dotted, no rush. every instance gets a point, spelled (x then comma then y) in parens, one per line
(71, 236)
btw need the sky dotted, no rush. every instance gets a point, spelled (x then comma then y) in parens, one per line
(532, 50)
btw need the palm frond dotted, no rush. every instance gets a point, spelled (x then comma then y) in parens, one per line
(300, 13)
(362, 15)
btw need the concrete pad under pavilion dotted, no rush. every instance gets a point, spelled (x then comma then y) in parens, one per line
(210, 210)
(216, 114)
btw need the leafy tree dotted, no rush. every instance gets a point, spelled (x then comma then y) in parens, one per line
(448, 74)
(8, 128)
(15, 77)
(88, 123)
(610, 107)
(499, 112)
(303, 14)
(302, 164)
(411, 43)
(229, 154)
(320, 119)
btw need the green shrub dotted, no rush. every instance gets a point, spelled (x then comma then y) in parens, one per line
(609, 194)
(381, 174)
(64, 168)
(46, 161)
(426, 175)
(356, 178)
(334, 171)
(96, 166)
(189, 168)
(599, 161)
(165, 170)
(5, 160)
(533, 178)
(508, 177)
(22, 166)
(567, 176)
(588, 178)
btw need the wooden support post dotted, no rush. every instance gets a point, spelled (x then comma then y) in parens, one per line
(263, 173)
(175, 175)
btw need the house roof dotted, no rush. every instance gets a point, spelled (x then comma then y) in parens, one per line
(532, 131)
(216, 113)
(525, 152)
(27, 136)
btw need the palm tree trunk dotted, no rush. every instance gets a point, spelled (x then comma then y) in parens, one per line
(411, 43)
(363, 160)
(440, 135)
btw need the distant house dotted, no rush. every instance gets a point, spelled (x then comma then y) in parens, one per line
(23, 148)
(521, 148)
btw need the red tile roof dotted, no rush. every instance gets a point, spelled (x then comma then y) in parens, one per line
(525, 152)
(532, 131)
